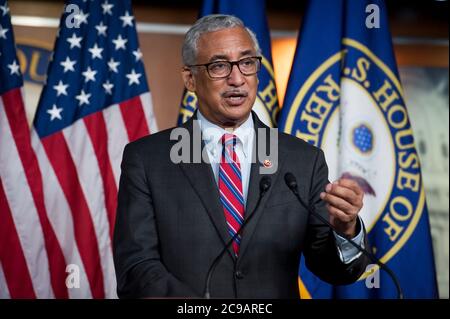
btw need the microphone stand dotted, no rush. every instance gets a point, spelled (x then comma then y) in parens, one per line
(291, 182)
(264, 185)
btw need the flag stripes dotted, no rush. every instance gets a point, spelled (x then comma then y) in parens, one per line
(83, 167)
(134, 118)
(11, 255)
(60, 217)
(96, 127)
(60, 158)
(74, 233)
(15, 112)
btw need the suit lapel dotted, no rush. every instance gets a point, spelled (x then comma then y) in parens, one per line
(253, 187)
(201, 177)
(254, 191)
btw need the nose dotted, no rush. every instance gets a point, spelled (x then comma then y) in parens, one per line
(236, 78)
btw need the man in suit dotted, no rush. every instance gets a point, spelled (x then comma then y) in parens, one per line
(173, 219)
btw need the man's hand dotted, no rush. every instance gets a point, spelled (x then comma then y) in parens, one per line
(344, 200)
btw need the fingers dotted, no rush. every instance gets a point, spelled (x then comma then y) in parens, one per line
(343, 223)
(344, 200)
(351, 184)
(337, 202)
(347, 190)
(338, 214)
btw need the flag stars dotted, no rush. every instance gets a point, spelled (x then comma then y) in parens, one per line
(89, 74)
(55, 112)
(120, 42)
(101, 29)
(68, 65)
(74, 41)
(14, 68)
(81, 18)
(107, 7)
(83, 98)
(127, 19)
(138, 54)
(3, 32)
(4, 9)
(108, 87)
(96, 52)
(133, 77)
(61, 88)
(113, 65)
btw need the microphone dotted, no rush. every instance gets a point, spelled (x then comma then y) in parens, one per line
(291, 182)
(264, 185)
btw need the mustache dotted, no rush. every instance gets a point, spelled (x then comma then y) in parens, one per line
(231, 93)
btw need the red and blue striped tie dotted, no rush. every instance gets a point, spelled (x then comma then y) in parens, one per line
(230, 188)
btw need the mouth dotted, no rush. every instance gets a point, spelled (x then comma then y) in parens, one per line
(235, 98)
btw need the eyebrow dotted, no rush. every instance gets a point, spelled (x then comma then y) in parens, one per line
(225, 57)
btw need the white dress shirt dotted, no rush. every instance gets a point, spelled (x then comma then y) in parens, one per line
(212, 135)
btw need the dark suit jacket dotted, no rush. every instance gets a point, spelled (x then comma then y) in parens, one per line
(170, 226)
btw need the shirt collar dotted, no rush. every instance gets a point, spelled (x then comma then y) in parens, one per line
(213, 133)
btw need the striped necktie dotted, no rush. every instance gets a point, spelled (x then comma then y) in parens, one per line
(230, 188)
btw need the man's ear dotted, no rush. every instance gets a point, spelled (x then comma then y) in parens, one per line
(188, 79)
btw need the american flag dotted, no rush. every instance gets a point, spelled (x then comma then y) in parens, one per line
(96, 100)
(20, 207)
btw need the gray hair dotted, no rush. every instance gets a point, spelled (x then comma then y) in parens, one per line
(211, 23)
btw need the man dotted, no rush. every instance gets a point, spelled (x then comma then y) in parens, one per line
(174, 219)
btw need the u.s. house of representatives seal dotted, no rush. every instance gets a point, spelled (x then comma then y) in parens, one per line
(352, 107)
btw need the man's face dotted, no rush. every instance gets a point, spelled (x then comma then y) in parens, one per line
(226, 102)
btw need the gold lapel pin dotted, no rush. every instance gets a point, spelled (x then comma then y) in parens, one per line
(267, 163)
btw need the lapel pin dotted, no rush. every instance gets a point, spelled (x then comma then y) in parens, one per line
(267, 163)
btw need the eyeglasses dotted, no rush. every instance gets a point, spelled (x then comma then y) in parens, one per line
(222, 69)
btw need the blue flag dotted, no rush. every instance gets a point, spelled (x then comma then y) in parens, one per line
(253, 14)
(344, 95)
